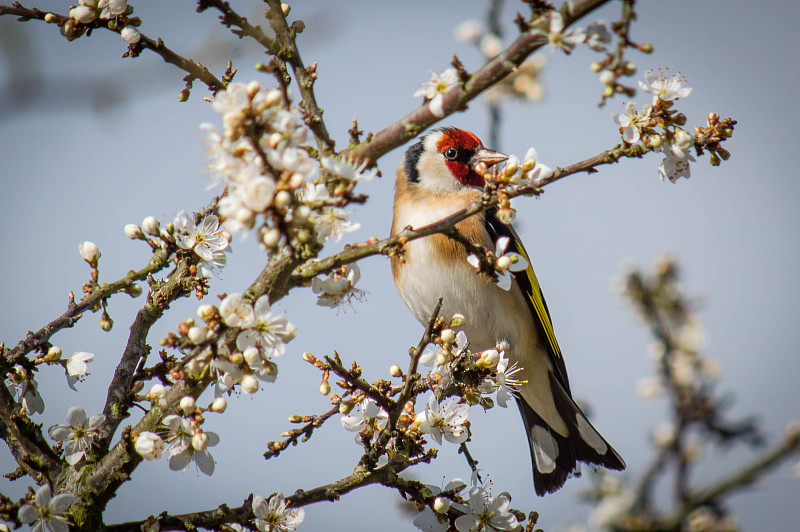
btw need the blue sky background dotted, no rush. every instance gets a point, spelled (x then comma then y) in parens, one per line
(90, 142)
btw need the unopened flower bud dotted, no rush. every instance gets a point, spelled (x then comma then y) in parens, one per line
(133, 231)
(236, 358)
(252, 88)
(507, 216)
(272, 97)
(53, 354)
(135, 290)
(503, 263)
(197, 334)
(249, 384)
(283, 198)
(219, 405)
(149, 445)
(607, 77)
(156, 391)
(511, 166)
(442, 359)
(646, 48)
(200, 441)
(715, 160)
(596, 66)
(490, 358)
(302, 212)
(395, 371)
(188, 404)
(655, 141)
(252, 356)
(724, 154)
(183, 96)
(130, 34)
(206, 312)
(90, 252)
(448, 336)
(106, 323)
(345, 407)
(457, 320)
(274, 140)
(51, 18)
(285, 9)
(151, 226)
(324, 388)
(441, 505)
(713, 118)
(271, 237)
(608, 91)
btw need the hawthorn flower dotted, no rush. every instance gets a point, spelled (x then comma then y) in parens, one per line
(77, 367)
(269, 332)
(337, 287)
(183, 447)
(149, 445)
(236, 312)
(556, 36)
(504, 263)
(435, 89)
(79, 435)
(273, 515)
(632, 122)
(486, 513)
(447, 419)
(664, 87)
(204, 240)
(365, 413)
(47, 512)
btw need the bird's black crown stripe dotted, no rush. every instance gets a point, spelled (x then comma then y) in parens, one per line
(412, 158)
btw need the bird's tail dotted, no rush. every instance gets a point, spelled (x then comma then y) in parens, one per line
(555, 457)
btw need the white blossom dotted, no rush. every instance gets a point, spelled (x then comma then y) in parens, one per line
(273, 515)
(178, 436)
(79, 435)
(435, 89)
(555, 34)
(112, 8)
(77, 367)
(149, 445)
(23, 385)
(447, 419)
(83, 14)
(337, 287)
(631, 122)
(486, 513)
(427, 520)
(664, 86)
(351, 170)
(365, 413)
(204, 239)
(269, 332)
(507, 385)
(47, 513)
(236, 312)
(504, 263)
(598, 36)
(330, 222)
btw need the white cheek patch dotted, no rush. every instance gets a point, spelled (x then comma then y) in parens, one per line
(591, 436)
(545, 449)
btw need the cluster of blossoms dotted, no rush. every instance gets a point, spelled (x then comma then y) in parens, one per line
(658, 125)
(207, 239)
(504, 263)
(272, 183)
(480, 511)
(112, 12)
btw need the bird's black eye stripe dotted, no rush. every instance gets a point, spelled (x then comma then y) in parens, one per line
(458, 154)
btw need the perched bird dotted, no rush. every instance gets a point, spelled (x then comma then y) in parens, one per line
(436, 179)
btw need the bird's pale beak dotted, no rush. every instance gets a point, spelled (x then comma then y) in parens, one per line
(488, 157)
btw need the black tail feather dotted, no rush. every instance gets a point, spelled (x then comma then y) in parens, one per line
(555, 458)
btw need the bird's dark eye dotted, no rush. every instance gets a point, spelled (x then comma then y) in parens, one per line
(451, 154)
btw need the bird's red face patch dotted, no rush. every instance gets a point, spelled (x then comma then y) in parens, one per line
(457, 147)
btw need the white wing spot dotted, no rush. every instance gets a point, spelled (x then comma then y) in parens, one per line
(590, 435)
(545, 449)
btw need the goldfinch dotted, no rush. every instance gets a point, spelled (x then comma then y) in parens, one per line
(436, 179)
